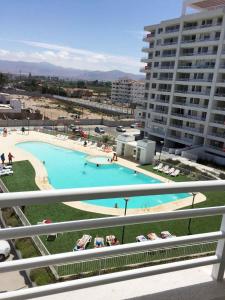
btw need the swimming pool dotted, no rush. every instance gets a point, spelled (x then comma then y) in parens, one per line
(68, 169)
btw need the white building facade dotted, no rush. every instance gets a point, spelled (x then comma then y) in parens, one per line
(184, 100)
(8, 104)
(125, 90)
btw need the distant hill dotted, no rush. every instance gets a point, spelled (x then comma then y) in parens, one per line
(46, 69)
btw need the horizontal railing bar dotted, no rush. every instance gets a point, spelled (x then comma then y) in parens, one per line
(107, 278)
(73, 257)
(79, 194)
(43, 229)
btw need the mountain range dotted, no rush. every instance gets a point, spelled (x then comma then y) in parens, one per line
(47, 69)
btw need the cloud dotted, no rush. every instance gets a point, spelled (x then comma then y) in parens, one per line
(71, 57)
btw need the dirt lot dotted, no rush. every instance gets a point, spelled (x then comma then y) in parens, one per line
(53, 109)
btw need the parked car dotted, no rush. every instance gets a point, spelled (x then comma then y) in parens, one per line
(4, 250)
(135, 125)
(99, 130)
(74, 128)
(120, 129)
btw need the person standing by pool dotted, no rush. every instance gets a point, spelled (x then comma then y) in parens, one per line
(5, 132)
(3, 158)
(23, 130)
(10, 157)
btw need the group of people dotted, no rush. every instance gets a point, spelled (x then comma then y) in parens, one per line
(10, 158)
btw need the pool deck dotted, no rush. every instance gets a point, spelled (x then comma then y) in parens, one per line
(8, 144)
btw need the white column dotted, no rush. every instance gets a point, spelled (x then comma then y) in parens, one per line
(218, 269)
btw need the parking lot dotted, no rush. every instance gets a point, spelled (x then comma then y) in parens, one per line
(110, 130)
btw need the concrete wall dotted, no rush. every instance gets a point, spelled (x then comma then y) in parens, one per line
(78, 122)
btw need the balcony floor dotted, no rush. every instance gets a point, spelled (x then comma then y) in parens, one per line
(194, 284)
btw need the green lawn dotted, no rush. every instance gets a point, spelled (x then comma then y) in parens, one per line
(23, 180)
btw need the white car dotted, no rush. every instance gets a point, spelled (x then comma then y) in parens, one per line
(4, 249)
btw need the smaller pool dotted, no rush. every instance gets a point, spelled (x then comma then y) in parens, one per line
(100, 160)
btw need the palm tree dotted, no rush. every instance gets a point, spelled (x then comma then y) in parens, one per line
(106, 139)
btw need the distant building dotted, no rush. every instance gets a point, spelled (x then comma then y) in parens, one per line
(137, 91)
(127, 91)
(9, 104)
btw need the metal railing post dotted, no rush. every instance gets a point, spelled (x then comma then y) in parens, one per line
(218, 269)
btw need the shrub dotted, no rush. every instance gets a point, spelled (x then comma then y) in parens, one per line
(41, 276)
(222, 176)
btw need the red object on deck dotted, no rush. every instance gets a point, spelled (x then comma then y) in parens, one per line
(47, 221)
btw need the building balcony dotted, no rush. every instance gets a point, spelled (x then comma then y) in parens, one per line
(159, 111)
(148, 37)
(146, 49)
(164, 90)
(167, 67)
(201, 27)
(145, 69)
(169, 43)
(172, 30)
(197, 106)
(169, 55)
(219, 150)
(200, 40)
(194, 80)
(196, 67)
(205, 93)
(199, 54)
(185, 128)
(217, 134)
(164, 277)
(163, 122)
(197, 118)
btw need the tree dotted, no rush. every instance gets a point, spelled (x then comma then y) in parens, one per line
(106, 139)
(81, 84)
(3, 80)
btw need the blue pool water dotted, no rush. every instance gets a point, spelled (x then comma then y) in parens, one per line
(67, 169)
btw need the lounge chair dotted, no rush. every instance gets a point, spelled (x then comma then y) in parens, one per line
(6, 172)
(175, 173)
(166, 235)
(98, 242)
(101, 148)
(141, 238)
(94, 145)
(111, 240)
(152, 236)
(171, 170)
(82, 243)
(78, 141)
(165, 169)
(158, 167)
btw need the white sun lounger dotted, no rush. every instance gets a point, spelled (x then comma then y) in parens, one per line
(158, 166)
(6, 172)
(141, 238)
(94, 145)
(82, 243)
(171, 170)
(175, 173)
(164, 169)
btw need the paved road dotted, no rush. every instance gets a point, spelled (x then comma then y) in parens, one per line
(110, 130)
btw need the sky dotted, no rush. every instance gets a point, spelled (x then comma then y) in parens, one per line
(83, 34)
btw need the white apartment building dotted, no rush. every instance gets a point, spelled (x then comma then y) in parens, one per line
(125, 90)
(137, 92)
(8, 104)
(184, 100)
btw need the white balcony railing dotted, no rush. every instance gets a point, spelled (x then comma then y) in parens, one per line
(80, 194)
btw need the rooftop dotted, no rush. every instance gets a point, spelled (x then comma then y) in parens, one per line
(203, 4)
